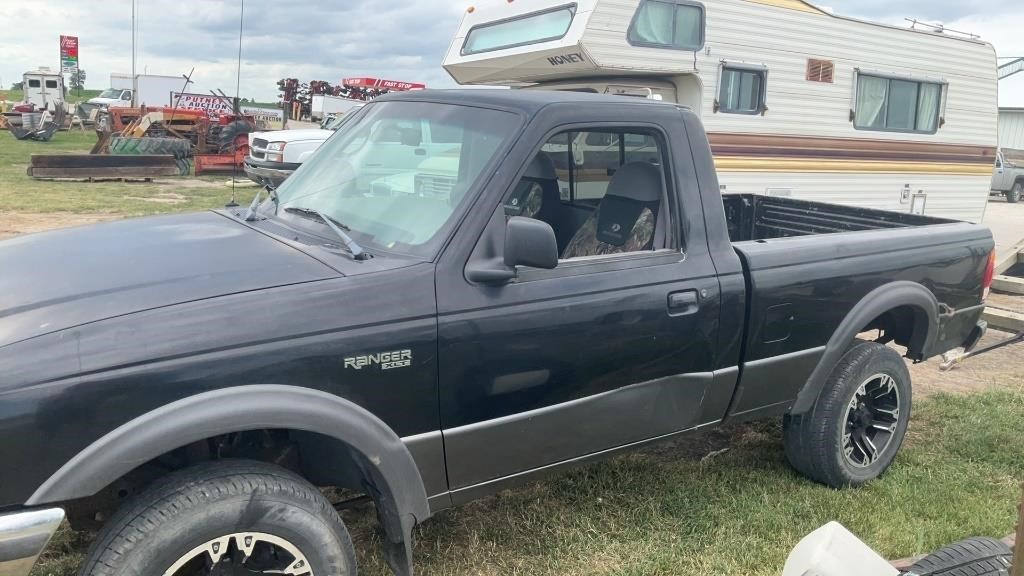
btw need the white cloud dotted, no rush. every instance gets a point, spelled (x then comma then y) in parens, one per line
(332, 39)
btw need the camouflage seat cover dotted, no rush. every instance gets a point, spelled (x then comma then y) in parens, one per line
(625, 219)
(528, 197)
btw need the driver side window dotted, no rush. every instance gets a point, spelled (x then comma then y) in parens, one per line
(602, 191)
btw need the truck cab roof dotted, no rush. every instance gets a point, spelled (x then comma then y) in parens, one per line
(525, 101)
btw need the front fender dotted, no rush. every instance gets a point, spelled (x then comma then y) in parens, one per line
(242, 408)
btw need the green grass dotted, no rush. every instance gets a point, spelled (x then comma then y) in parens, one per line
(73, 96)
(664, 511)
(21, 193)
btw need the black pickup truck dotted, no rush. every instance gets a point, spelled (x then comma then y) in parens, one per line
(549, 278)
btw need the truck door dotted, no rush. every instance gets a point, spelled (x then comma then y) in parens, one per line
(1001, 174)
(614, 346)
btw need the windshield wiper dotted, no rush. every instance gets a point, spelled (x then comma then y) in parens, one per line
(357, 252)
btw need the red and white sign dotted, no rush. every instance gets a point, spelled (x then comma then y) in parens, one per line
(212, 105)
(69, 54)
(382, 84)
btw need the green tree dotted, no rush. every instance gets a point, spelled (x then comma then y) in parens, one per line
(18, 86)
(78, 79)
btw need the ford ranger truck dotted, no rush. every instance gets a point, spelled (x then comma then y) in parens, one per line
(570, 286)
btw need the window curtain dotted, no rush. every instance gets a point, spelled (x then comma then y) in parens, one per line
(871, 95)
(688, 29)
(654, 23)
(729, 99)
(928, 99)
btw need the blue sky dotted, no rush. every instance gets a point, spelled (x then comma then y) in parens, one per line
(329, 39)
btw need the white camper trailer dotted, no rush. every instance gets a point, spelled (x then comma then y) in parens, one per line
(796, 101)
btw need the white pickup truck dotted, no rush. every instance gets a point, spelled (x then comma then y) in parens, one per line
(273, 156)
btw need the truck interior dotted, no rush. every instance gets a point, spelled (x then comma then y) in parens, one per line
(603, 192)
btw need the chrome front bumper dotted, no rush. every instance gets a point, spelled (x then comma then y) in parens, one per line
(23, 535)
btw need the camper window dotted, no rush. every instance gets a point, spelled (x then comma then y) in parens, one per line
(897, 104)
(33, 84)
(51, 83)
(532, 28)
(741, 91)
(676, 24)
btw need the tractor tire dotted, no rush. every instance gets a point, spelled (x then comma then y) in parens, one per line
(224, 517)
(1013, 196)
(177, 147)
(853, 431)
(230, 132)
(971, 557)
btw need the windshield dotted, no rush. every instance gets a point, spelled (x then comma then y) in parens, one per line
(335, 122)
(110, 93)
(399, 171)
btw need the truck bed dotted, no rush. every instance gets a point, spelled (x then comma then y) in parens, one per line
(756, 217)
(808, 264)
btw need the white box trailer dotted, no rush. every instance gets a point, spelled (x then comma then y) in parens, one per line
(153, 90)
(44, 88)
(324, 105)
(797, 101)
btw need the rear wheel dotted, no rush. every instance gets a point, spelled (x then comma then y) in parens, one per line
(1013, 196)
(855, 428)
(224, 518)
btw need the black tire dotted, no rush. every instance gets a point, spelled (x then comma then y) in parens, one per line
(198, 505)
(971, 557)
(815, 441)
(229, 132)
(1013, 196)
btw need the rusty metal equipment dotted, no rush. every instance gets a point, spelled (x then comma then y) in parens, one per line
(218, 143)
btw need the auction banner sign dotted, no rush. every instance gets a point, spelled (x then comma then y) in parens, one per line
(68, 54)
(266, 118)
(212, 105)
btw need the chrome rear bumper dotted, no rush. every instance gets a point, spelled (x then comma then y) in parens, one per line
(23, 535)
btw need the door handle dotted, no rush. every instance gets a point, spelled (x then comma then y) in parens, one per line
(684, 302)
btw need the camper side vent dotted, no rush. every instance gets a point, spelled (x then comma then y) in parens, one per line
(820, 70)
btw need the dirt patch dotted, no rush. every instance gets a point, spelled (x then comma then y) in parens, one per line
(12, 224)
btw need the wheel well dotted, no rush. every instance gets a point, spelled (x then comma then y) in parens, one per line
(322, 460)
(905, 325)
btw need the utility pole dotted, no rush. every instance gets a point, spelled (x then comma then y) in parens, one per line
(135, 79)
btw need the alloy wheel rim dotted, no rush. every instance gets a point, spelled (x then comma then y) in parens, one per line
(242, 554)
(872, 418)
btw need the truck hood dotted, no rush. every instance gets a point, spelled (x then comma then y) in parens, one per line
(65, 278)
(102, 101)
(292, 135)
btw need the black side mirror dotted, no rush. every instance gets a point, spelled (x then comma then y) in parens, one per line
(530, 242)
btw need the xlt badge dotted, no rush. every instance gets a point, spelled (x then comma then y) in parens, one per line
(386, 360)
